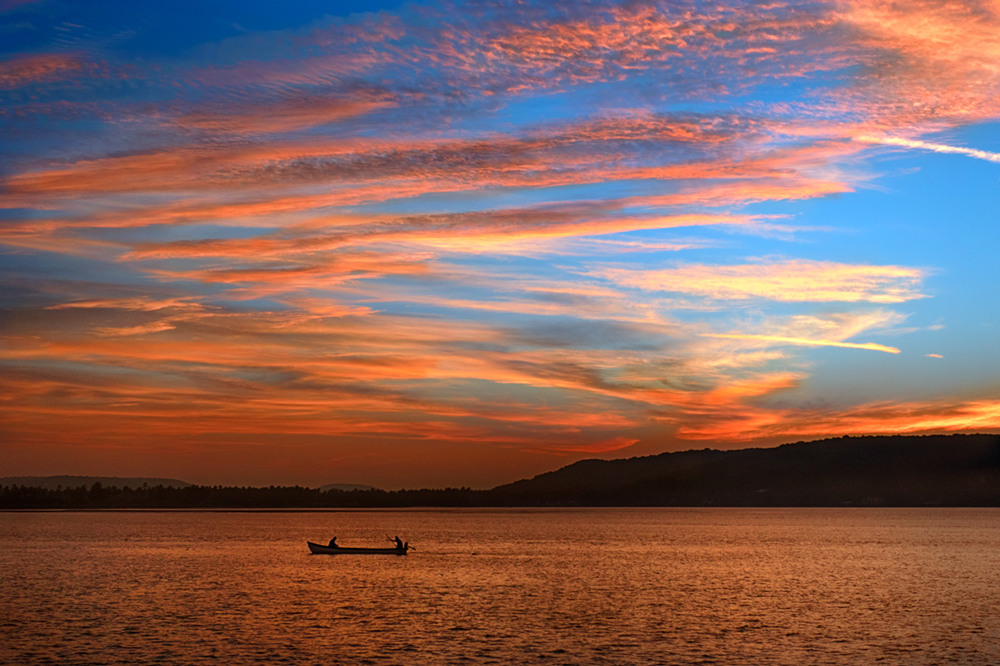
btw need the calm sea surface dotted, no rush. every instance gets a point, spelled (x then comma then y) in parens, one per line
(587, 586)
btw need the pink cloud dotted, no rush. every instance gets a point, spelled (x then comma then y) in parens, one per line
(43, 67)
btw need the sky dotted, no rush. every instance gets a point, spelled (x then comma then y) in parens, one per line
(458, 244)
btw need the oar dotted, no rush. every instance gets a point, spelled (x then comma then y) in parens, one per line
(394, 541)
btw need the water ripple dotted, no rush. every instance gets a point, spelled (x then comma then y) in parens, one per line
(643, 587)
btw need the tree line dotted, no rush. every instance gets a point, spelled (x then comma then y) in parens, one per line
(99, 496)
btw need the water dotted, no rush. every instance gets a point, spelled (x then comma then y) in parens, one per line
(587, 586)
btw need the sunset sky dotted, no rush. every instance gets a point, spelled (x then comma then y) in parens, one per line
(430, 244)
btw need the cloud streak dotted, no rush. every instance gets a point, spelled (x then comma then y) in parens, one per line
(39, 68)
(783, 280)
(777, 339)
(933, 147)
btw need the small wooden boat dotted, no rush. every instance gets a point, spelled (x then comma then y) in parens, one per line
(317, 549)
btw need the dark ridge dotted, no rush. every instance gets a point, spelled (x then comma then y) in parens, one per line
(945, 470)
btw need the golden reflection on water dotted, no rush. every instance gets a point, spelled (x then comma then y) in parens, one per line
(771, 586)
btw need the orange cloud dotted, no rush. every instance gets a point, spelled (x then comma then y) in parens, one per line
(878, 418)
(495, 230)
(272, 384)
(372, 169)
(143, 304)
(326, 273)
(788, 187)
(284, 116)
(927, 62)
(539, 51)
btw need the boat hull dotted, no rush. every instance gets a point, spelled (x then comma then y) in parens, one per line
(317, 549)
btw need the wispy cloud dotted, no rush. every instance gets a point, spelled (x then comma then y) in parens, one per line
(26, 69)
(805, 342)
(780, 280)
(933, 147)
(283, 116)
(944, 415)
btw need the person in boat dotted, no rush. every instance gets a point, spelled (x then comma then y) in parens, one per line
(333, 543)
(399, 543)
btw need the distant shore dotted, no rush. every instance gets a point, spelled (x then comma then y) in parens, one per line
(873, 471)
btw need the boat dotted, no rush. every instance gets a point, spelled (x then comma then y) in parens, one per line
(317, 549)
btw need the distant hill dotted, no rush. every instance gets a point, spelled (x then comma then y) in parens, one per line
(54, 482)
(345, 487)
(946, 470)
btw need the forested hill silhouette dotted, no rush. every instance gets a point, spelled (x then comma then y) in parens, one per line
(942, 470)
(932, 470)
